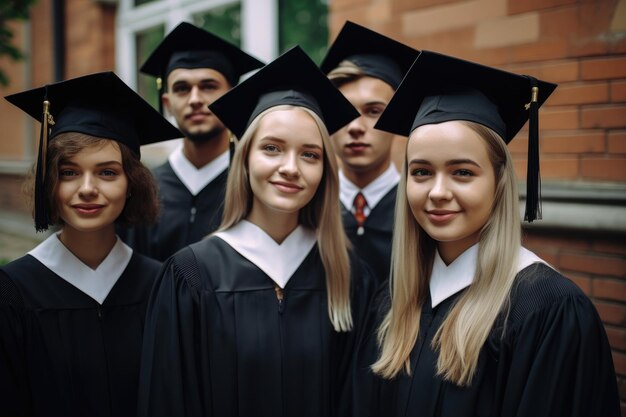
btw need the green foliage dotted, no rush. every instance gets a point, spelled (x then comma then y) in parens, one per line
(145, 43)
(11, 10)
(304, 23)
(224, 22)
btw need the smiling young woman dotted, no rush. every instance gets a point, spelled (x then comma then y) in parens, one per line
(72, 309)
(261, 317)
(473, 323)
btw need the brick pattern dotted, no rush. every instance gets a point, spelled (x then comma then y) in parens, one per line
(12, 197)
(597, 264)
(575, 48)
(582, 126)
(13, 148)
(90, 37)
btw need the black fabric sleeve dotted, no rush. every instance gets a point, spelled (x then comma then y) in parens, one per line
(171, 378)
(14, 386)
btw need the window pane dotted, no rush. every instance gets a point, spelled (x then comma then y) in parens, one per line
(146, 42)
(140, 2)
(224, 21)
(304, 23)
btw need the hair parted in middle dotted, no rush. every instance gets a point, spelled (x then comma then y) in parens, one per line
(322, 214)
(466, 327)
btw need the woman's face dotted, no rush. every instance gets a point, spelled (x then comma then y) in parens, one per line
(285, 163)
(450, 185)
(92, 187)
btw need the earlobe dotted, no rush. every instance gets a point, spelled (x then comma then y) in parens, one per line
(165, 101)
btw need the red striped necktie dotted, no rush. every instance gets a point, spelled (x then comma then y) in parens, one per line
(359, 212)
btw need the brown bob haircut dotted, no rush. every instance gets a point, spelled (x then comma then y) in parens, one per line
(142, 205)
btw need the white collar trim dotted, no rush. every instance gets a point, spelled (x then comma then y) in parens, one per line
(373, 192)
(96, 283)
(447, 280)
(279, 262)
(193, 178)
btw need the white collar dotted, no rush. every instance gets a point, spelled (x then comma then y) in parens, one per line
(447, 280)
(373, 192)
(279, 262)
(193, 178)
(96, 283)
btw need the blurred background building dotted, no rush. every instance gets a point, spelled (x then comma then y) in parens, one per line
(579, 44)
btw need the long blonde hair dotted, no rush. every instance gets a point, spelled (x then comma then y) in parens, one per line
(467, 325)
(322, 214)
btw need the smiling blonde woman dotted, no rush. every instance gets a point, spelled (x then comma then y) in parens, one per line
(261, 317)
(473, 324)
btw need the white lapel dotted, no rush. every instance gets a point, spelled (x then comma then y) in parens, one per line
(279, 262)
(96, 283)
(447, 280)
(193, 178)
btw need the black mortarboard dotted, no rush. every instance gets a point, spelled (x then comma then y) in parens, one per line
(376, 55)
(292, 78)
(99, 105)
(188, 46)
(440, 88)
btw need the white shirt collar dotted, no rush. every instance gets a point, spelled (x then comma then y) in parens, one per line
(447, 280)
(193, 178)
(373, 192)
(279, 262)
(96, 283)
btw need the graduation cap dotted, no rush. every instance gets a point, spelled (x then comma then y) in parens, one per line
(440, 88)
(292, 78)
(376, 55)
(99, 105)
(188, 46)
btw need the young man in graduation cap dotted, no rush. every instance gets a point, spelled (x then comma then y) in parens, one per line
(193, 68)
(367, 68)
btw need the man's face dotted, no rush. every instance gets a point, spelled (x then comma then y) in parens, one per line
(364, 150)
(189, 92)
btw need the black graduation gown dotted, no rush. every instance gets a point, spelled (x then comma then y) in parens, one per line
(374, 246)
(184, 219)
(62, 353)
(219, 343)
(554, 360)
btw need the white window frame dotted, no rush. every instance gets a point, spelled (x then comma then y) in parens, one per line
(257, 17)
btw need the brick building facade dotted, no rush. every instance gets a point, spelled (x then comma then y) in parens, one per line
(579, 44)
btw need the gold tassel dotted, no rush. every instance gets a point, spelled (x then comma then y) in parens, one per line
(48, 121)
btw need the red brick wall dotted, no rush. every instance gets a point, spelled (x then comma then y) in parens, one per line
(598, 265)
(90, 37)
(579, 44)
(90, 47)
(12, 144)
(12, 197)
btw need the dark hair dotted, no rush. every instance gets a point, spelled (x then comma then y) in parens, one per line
(142, 205)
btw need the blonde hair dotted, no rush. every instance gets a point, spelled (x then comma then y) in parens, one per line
(466, 327)
(322, 213)
(345, 72)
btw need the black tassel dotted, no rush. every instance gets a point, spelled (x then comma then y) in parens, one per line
(533, 179)
(42, 217)
(231, 148)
